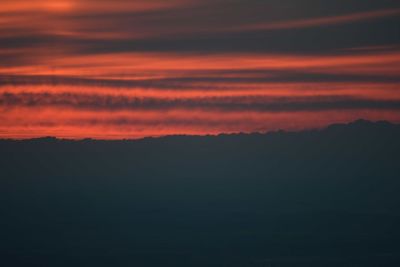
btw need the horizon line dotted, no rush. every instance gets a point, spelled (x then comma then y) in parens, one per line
(54, 138)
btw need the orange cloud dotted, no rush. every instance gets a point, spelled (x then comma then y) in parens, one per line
(28, 123)
(78, 69)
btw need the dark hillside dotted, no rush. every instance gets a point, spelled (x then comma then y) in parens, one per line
(315, 198)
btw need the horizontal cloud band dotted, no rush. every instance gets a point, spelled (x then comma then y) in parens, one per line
(249, 103)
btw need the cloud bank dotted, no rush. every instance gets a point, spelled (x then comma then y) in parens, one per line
(119, 69)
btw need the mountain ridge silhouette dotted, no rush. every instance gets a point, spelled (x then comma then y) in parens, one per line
(359, 124)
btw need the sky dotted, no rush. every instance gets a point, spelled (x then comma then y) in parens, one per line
(119, 69)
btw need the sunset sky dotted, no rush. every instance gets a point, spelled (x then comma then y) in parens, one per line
(113, 69)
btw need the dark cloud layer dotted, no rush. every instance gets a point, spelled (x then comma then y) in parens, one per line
(197, 78)
(207, 26)
(249, 103)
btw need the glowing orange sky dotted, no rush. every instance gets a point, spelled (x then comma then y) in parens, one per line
(129, 69)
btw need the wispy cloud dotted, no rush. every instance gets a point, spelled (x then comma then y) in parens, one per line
(324, 21)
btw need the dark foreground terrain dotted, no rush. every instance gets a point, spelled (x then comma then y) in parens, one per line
(317, 198)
